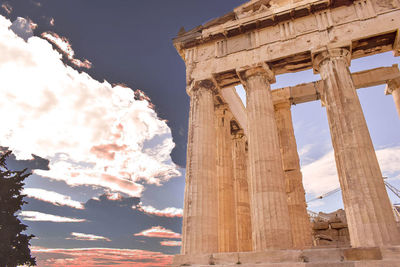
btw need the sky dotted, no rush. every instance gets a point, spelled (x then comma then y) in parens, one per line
(95, 106)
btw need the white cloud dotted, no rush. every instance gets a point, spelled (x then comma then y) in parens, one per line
(52, 197)
(321, 176)
(92, 133)
(36, 216)
(167, 212)
(88, 237)
(159, 232)
(171, 243)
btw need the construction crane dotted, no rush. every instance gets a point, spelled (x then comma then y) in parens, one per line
(388, 185)
(393, 189)
(325, 195)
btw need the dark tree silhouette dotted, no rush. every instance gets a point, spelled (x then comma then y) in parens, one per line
(14, 246)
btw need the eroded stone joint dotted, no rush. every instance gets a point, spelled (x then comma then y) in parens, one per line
(331, 54)
(238, 134)
(283, 105)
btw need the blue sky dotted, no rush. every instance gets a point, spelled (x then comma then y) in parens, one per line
(100, 99)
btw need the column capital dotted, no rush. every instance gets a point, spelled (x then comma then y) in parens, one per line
(396, 45)
(256, 70)
(320, 56)
(195, 86)
(392, 85)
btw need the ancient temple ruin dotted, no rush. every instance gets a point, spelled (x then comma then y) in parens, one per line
(244, 198)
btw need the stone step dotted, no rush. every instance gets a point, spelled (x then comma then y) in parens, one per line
(382, 263)
(324, 257)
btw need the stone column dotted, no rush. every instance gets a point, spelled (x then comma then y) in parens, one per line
(243, 217)
(368, 209)
(200, 216)
(299, 220)
(269, 209)
(226, 197)
(392, 88)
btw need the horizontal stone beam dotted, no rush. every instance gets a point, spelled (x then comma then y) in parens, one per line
(311, 91)
(236, 106)
(307, 92)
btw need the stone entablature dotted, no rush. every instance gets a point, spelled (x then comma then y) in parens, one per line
(288, 47)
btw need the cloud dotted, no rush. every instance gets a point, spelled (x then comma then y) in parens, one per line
(88, 237)
(321, 176)
(52, 197)
(92, 133)
(158, 231)
(7, 7)
(171, 243)
(89, 257)
(23, 28)
(52, 21)
(36, 216)
(167, 212)
(65, 47)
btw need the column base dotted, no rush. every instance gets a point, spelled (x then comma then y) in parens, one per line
(315, 257)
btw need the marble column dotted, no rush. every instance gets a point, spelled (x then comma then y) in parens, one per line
(269, 209)
(299, 220)
(200, 216)
(392, 88)
(226, 198)
(243, 217)
(368, 209)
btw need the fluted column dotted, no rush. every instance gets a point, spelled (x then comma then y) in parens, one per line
(368, 209)
(299, 220)
(200, 216)
(392, 88)
(243, 217)
(226, 198)
(269, 209)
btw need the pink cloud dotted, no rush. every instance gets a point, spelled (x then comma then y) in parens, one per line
(171, 243)
(107, 151)
(7, 7)
(88, 257)
(158, 231)
(167, 212)
(63, 44)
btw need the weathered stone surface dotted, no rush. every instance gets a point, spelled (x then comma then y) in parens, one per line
(361, 254)
(269, 209)
(200, 220)
(392, 88)
(299, 220)
(286, 45)
(316, 257)
(338, 225)
(320, 225)
(227, 239)
(369, 212)
(242, 197)
(252, 44)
